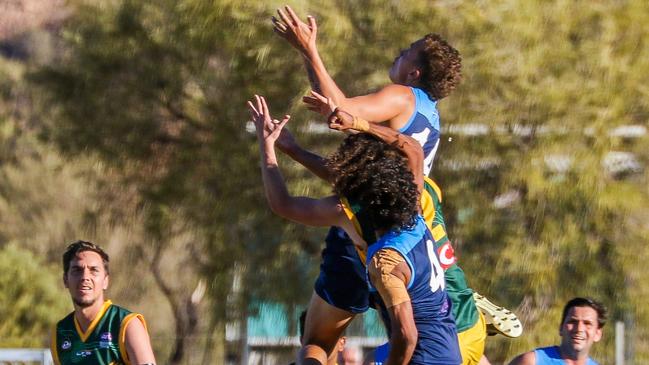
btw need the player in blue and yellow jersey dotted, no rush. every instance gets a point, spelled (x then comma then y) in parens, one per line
(421, 75)
(470, 322)
(97, 332)
(374, 173)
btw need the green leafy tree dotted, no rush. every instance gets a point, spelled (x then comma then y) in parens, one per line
(156, 91)
(30, 300)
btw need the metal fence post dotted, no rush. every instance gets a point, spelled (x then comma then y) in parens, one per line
(619, 343)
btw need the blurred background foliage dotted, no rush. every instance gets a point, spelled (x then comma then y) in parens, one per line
(124, 122)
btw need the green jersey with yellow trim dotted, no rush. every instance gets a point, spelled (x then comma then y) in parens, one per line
(464, 309)
(103, 343)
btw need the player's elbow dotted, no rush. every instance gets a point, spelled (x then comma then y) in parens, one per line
(285, 209)
(279, 208)
(277, 203)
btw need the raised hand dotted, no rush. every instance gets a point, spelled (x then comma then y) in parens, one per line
(319, 104)
(299, 34)
(268, 129)
(340, 120)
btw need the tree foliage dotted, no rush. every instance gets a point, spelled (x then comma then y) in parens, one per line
(156, 92)
(30, 301)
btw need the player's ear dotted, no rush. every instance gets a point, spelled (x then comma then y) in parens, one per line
(106, 279)
(341, 343)
(598, 335)
(65, 280)
(414, 75)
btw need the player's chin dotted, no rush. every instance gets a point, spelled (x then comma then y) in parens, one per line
(84, 302)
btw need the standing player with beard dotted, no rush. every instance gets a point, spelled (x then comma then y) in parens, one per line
(96, 332)
(580, 328)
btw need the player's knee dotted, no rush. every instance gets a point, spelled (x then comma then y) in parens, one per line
(312, 354)
(326, 343)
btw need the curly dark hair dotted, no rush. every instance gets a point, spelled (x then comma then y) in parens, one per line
(441, 66)
(376, 175)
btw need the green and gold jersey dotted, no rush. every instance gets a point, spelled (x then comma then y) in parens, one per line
(103, 343)
(464, 309)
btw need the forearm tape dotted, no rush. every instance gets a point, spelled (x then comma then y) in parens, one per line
(360, 124)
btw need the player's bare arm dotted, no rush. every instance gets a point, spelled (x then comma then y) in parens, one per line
(138, 343)
(315, 212)
(393, 103)
(527, 358)
(390, 274)
(313, 162)
(343, 121)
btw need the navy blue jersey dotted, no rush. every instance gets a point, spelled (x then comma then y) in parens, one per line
(341, 282)
(437, 341)
(424, 126)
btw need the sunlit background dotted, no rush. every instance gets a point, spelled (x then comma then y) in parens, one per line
(124, 123)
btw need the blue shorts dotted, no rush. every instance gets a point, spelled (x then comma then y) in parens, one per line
(342, 281)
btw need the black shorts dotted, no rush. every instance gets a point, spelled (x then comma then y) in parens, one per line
(342, 280)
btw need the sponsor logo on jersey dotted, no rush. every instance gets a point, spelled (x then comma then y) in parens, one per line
(105, 340)
(66, 345)
(84, 353)
(106, 336)
(446, 255)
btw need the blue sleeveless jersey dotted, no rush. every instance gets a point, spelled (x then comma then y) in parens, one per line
(551, 356)
(437, 341)
(423, 126)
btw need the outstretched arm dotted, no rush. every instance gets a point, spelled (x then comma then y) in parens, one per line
(342, 121)
(314, 212)
(313, 162)
(391, 102)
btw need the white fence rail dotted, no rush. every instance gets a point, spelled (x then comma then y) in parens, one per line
(22, 356)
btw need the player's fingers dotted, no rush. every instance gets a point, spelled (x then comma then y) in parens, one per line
(331, 104)
(278, 24)
(318, 96)
(333, 116)
(291, 14)
(309, 100)
(312, 24)
(258, 107)
(285, 18)
(284, 121)
(265, 107)
(252, 109)
(335, 125)
(280, 30)
(250, 106)
(254, 112)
